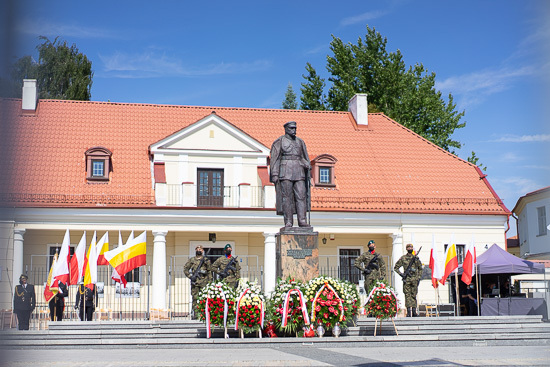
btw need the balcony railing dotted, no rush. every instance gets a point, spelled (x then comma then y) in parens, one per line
(242, 196)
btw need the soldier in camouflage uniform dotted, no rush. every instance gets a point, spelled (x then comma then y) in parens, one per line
(410, 283)
(377, 270)
(233, 272)
(203, 275)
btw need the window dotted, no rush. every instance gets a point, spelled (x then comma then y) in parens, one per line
(323, 170)
(347, 270)
(541, 215)
(210, 187)
(324, 175)
(459, 252)
(98, 164)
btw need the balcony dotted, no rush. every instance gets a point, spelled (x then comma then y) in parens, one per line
(242, 196)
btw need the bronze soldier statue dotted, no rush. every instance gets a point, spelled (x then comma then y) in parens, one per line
(289, 171)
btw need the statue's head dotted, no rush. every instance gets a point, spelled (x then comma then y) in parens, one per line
(290, 128)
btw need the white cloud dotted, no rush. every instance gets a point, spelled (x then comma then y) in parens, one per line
(361, 18)
(48, 29)
(153, 64)
(511, 188)
(510, 138)
(474, 87)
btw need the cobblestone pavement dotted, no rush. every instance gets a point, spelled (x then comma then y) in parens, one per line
(284, 355)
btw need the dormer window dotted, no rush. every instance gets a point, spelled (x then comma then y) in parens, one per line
(323, 170)
(98, 164)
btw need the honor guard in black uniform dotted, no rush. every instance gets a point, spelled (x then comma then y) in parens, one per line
(24, 302)
(57, 303)
(85, 302)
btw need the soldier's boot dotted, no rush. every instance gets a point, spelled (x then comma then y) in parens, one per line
(413, 312)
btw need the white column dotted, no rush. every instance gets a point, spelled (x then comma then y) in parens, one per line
(270, 262)
(397, 252)
(159, 269)
(17, 255)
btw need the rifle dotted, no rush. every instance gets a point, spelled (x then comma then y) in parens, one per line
(407, 272)
(198, 271)
(373, 264)
(225, 273)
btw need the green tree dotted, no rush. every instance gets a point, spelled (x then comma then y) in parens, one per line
(313, 97)
(407, 95)
(62, 72)
(473, 159)
(290, 102)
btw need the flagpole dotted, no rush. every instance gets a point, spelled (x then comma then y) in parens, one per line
(478, 281)
(457, 294)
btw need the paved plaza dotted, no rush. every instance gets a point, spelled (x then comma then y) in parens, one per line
(286, 355)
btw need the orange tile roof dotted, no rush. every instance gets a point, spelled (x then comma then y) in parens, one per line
(383, 167)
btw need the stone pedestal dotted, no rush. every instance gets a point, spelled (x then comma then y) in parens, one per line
(297, 253)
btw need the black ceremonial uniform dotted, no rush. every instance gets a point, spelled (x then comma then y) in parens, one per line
(85, 301)
(57, 303)
(24, 302)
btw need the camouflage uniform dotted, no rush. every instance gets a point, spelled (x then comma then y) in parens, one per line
(376, 274)
(203, 278)
(233, 276)
(410, 285)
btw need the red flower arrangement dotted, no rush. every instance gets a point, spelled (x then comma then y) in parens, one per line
(382, 302)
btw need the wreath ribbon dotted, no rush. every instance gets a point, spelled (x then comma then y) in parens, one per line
(302, 305)
(375, 289)
(314, 303)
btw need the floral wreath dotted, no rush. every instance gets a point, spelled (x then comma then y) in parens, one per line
(250, 308)
(215, 305)
(382, 302)
(288, 306)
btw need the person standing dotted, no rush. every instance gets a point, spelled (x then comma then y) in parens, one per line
(228, 268)
(24, 302)
(412, 272)
(85, 301)
(289, 171)
(198, 270)
(372, 265)
(57, 303)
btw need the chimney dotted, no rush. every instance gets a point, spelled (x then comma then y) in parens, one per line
(358, 107)
(30, 95)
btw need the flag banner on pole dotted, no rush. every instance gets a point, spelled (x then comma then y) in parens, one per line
(435, 265)
(51, 288)
(77, 261)
(469, 262)
(115, 275)
(61, 270)
(451, 262)
(101, 248)
(130, 256)
(90, 267)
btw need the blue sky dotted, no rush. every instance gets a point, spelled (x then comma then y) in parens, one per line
(493, 56)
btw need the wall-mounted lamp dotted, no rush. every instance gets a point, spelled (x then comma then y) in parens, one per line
(324, 240)
(212, 237)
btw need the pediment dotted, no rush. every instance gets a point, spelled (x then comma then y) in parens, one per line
(211, 135)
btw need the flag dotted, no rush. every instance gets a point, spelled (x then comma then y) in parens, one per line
(130, 256)
(77, 261)
(435, 265)
(451, 262)
(116, 276)
(90, 265)
(61, 270)
(101, 248)
(51, 288)
(469, 262)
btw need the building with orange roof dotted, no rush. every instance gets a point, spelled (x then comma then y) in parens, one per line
(190, 175)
